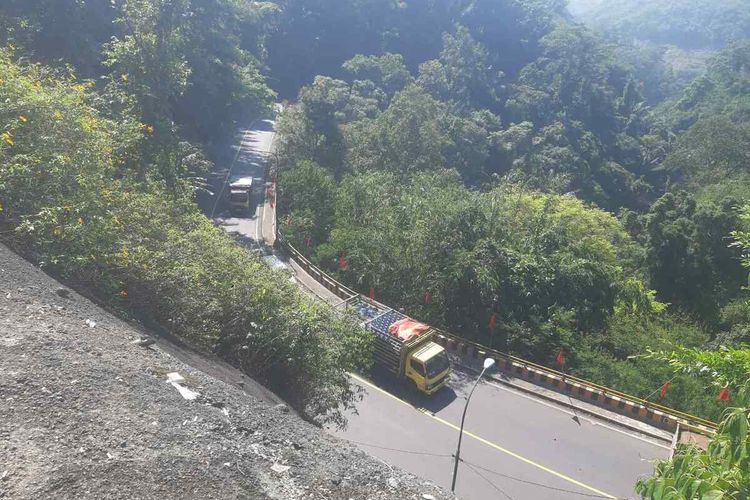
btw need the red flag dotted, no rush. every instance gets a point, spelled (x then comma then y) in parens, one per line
(308, 242)
(428, 297)
(342, 261)
(493, 321)
(372, 293)
(723, 395)
(663, 390)
(560, 359)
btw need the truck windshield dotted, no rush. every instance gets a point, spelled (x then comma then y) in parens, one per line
(436, 365)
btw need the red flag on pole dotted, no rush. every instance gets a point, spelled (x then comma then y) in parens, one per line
(342, 261)
(372, 293)
(663, 390)
(560, 359)
(493, 321)
(723, 395)
(428, 297)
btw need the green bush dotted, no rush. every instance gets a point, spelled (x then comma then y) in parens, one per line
(148, 250)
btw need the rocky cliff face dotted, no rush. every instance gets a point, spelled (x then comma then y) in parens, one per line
(88, 411)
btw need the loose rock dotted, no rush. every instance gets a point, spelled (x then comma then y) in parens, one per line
(117, 432)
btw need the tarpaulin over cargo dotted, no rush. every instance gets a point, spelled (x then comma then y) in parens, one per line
(406, 329)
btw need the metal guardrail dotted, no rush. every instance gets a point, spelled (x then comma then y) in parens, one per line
(572, 378)
(340, 290)
(653, 413)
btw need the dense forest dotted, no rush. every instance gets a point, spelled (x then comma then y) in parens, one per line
(538, 187)
(468, 159)
(523, 174)
(678, 38)
(688, 24)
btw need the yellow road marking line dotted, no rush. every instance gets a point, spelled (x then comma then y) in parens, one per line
(484, 441)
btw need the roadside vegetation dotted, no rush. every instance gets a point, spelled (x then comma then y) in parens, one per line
(721, 471)
(103, 198)
(535, 187)
(489, 165)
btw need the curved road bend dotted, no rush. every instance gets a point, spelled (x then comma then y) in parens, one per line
(515, 446)
(248, 159)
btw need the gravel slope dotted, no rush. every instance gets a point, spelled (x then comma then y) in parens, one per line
(85, 413)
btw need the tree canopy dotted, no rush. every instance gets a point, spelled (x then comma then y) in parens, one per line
(492, 166)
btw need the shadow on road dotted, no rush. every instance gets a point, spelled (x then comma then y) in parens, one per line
(402, 390)
(264, 125)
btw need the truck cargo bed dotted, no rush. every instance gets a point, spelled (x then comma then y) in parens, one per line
(388, 349)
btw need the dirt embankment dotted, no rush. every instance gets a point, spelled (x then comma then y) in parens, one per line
(86, 413)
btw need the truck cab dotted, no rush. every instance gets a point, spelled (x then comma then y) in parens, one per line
(428, 368)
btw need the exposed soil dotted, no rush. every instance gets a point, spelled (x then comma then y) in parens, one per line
(87, 413)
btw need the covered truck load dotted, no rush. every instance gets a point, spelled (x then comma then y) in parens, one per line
(389, 344)
(404, 346)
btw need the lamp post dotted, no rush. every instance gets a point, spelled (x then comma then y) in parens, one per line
(487, 364)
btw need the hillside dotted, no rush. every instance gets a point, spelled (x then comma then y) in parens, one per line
(88, 414)
(689, 24)
(550, 178)
(674, 39)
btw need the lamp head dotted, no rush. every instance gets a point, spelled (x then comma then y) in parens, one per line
(488, 363)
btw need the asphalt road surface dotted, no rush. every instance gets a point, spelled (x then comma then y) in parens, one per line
(515, 446)
(249, 160)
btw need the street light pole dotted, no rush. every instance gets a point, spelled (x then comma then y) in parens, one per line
(487, 364)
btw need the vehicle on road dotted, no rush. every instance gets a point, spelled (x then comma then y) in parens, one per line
(240, 193)
(403, 346)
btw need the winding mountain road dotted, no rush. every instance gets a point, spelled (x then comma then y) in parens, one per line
(516, 445)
